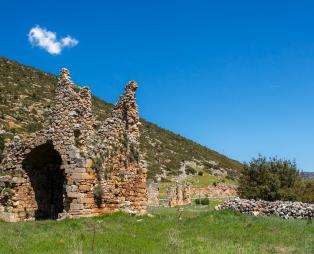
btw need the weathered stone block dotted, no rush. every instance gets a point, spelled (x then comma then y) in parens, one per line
(84, 188)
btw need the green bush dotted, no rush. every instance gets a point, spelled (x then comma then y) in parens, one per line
(271, 179)
(6, 192)
(200, 173)
(98, 191)
(33, 127)
(202, 201)
(308, 195)
(189, 170)
(232, 175)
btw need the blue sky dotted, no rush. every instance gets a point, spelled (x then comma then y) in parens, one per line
(236, 76)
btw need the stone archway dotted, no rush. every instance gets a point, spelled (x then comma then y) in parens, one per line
(43, 167)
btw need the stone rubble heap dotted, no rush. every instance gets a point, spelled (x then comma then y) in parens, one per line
(284, 209)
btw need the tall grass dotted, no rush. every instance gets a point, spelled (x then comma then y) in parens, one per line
(200, 230)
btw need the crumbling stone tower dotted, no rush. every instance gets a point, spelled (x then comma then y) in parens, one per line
(71, 168)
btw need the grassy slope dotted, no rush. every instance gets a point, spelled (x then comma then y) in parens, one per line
(201, 230)
(26, 93)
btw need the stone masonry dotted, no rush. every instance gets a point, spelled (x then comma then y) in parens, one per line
(178, 195)
(153, 194)
(283, 209)
(72, 168)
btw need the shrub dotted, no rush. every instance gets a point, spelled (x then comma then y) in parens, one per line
(6, 192)
(202, 201)
(133, 154)
(97, 164)
(33, 127)
(308, 195)
(200, 173)
(189, 170)
(271, 179)
(98, 191)
(232, 174)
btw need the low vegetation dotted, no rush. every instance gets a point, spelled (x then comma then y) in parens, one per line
(274, 179)
(202, 201)
(198, 229)
(205, 180)
(308, 195)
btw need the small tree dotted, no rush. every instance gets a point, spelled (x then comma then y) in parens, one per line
(271, 179)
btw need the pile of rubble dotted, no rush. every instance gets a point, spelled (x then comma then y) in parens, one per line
(284, 209)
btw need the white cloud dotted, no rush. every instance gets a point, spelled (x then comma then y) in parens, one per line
(69, 41)
(41, 37)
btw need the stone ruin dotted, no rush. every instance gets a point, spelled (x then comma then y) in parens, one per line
(73, 168)
(283, 209)
(153, 193)
(179, 194)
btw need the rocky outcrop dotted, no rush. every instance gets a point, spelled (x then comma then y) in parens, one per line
(284, 209)
(72, 168)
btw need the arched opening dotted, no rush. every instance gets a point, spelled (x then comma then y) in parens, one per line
(42, 166)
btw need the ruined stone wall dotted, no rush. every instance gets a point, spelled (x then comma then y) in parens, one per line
(178, 195)
(120, 172)
(218, 190)
(187, 194)
(71, 116)
(102, 168)
(153, 194)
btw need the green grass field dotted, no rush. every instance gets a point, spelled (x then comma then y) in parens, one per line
(201, 230)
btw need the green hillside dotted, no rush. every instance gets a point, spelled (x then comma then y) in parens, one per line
(26, 93)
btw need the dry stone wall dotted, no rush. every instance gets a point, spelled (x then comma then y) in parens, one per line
(70, 168)
(284, 209)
